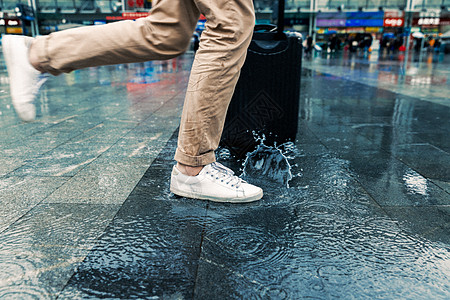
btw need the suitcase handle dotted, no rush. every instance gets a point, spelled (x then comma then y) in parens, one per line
(265, 27)
(266, 44)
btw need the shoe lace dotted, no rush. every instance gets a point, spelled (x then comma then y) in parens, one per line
(224, 174)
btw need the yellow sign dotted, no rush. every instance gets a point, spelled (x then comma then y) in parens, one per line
(14, 30)
(373, 29)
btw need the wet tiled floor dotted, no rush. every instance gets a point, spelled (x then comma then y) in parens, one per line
(86, 210)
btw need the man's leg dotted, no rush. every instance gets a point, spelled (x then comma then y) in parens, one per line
(164, 34)
(216, 69)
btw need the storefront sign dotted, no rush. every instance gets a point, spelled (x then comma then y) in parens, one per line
(389, 14)
(356, 29)
(369, 19)
(10, 22)
(364, 22)
(134, 15)
(200, 25)
(350, 19)
(378, 15)
(331, 15)
(330, 22)
(394, 22)
(428, 21)
(430, 13)
(328, 19)
(14, 30)
(374, 29)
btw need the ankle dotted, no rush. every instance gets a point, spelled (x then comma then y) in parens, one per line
(34, 59)
(189, 170)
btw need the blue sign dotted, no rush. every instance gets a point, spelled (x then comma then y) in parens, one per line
(365, 15)
(364, 23)
(200, 25)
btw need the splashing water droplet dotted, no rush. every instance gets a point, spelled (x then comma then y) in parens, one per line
(269, 162)
(224, 154)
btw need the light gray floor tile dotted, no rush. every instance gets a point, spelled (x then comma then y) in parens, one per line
(100, 189)
(20, 194)
(39, 253)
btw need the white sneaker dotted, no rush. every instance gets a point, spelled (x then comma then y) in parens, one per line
(215, 182)
(24, 80)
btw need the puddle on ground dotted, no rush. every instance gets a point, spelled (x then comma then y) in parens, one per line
(272, 165)
(326, 241)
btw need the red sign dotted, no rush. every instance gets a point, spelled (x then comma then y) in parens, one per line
(394, 22)
(10, 22)
(134, 15)
(444, 22)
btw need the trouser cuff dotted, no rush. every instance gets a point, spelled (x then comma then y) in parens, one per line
(40, 49)
(195, 161)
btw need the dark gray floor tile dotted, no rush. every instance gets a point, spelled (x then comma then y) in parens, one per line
(426, 159)
(392, 183)
(433, 223)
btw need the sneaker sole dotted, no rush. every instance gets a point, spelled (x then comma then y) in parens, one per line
(216, 199)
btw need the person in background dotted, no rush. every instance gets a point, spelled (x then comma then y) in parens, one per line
(309, 45)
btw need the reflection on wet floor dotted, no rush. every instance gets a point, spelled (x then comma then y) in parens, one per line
(357, 207)
(426, 79)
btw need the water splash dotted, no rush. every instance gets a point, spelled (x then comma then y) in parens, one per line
(270, 162)
(224, 154)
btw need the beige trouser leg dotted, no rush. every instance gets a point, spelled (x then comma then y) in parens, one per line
(165, 34)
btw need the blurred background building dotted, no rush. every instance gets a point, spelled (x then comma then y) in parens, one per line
(327, 22)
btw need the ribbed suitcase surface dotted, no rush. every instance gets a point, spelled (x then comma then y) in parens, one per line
(266, 99)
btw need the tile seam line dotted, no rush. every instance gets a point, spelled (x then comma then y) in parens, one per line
(417, 171)
(137, 125)
(404, 162)
(94, 244)
(381, 88)
(62, 143)
(200, 251)
(34, 206)
(52, 125)
(423, 206)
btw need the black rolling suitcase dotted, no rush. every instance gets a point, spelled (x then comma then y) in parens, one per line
(266, 99)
